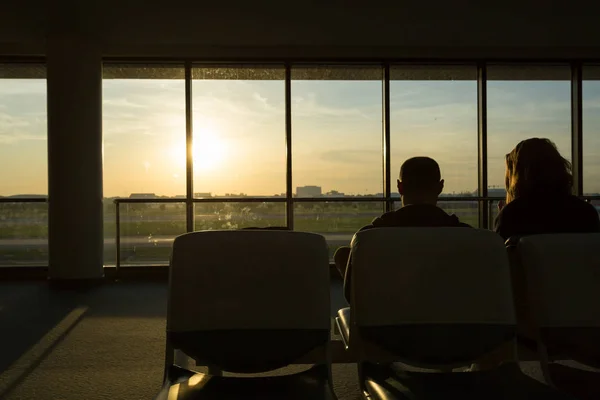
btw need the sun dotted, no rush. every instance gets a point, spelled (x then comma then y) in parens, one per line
(208, 150)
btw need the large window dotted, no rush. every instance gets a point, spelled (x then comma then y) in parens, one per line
(304, 145)
(144, 158)
(204, 146)
(23, 165)
(525, 102)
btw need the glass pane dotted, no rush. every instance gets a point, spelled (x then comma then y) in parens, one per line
(23, 130)
(433, 113)
(144, 141)
(337, 221)
(466, 211)
(148, 231)
(213, 216)
(337, 130)
(591, 130)
(525, 102)
(23, 234)
(144, 135)
(239, 130)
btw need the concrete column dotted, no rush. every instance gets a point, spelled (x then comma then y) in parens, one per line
(74, 82)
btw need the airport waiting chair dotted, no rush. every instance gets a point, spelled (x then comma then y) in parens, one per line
(562, 273)
(248, 302)
(434, 299)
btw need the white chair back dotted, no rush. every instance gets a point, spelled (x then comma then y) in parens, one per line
(249, 279)
(430, 276)
(563, 275)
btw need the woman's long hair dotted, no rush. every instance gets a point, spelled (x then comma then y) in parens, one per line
(536, 168)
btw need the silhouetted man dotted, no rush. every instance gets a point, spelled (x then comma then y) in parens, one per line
(419, 186)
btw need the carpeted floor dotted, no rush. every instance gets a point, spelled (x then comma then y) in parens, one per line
(109, 343)
(104, 343)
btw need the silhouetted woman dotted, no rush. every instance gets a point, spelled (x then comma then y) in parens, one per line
(539, 195)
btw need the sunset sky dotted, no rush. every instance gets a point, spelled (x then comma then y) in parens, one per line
(239, 133)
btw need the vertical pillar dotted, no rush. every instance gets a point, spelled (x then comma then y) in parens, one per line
(289, 189)
(75, 221)
(577, 127)
(482, 170)
(387, 147)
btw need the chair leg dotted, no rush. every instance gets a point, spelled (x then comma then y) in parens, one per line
(544, 360)
(361, 381)
(169, 361)
(327, 370)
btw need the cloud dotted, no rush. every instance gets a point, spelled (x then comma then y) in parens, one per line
(16, 128)
(264, 102)
(140, 94)
(310, 107)
(8, 121)
(15, 138)
(350, 156)
(121, 103)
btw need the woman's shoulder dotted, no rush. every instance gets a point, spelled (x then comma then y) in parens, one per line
(517, 205)
(567, 206)
(528, 205)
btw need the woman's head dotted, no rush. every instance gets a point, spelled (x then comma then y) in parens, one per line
(536, 168)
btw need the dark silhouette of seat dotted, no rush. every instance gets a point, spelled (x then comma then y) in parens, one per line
(561, 274)
(238, 302)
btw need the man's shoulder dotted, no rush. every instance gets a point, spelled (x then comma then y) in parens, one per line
(418, 215)
(387, 219)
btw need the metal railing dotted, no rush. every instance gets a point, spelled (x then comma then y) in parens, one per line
(23, 199)
(21, 242)
(485, 202)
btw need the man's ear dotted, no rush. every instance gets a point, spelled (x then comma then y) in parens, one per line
(400, 188)
(441, 187)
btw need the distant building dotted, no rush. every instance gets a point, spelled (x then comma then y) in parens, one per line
(142, 196)
(203, 194)
(308, 191)
(334, 193)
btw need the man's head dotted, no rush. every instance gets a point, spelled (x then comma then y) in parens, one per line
(420, 181)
